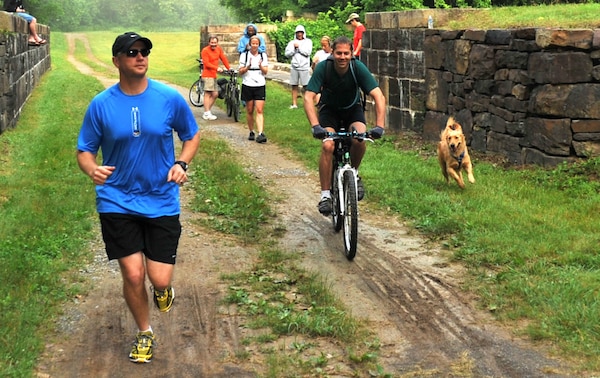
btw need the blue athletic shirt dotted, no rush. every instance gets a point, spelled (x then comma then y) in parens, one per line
(135, 134)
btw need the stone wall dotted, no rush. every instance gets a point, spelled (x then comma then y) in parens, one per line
(21, 66)
(531, 95)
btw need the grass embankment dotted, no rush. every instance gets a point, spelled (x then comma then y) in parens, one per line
(570, 16)
(46, 210)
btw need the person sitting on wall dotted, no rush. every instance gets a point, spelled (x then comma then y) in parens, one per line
(16, 6)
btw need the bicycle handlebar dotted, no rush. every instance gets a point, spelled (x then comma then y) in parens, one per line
(348, 134)
(229, 72)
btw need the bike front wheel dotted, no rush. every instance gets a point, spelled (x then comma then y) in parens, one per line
(197, 93)
(235, 104)
(350, 215)
(336, 215)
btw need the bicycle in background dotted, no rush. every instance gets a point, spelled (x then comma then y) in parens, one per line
(197, 89)
(232, 94)
(344, 190)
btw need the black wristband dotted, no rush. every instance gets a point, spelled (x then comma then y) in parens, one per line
(182, 164)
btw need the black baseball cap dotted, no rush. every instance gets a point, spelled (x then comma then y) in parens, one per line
(126, 40)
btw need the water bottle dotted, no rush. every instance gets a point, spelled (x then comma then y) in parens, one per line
(429, 22)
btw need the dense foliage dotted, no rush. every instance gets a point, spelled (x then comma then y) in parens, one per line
(315, 29)
(129, 14)
(188, 15)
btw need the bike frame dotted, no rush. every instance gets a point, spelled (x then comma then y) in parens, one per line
(345, 197)
(232, 94)
(339, 175)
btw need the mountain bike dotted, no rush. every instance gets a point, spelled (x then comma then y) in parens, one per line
(197, 89)
(232, 95)
(344, 190)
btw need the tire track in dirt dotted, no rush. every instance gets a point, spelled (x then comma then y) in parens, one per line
(404, 287)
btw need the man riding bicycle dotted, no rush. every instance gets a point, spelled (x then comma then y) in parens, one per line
(340, 80)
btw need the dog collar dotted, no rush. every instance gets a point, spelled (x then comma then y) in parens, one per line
(460, 158)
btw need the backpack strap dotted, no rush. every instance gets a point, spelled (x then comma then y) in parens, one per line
(246, 62)
(352, 66)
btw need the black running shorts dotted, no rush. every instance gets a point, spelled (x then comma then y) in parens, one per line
(126, 234)
(253, 93)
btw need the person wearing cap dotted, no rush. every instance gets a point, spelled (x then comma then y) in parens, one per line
(359, 29)
(298, 51)
(211, 55)
(137, 182)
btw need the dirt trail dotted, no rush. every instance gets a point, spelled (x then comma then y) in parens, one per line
(406, 289)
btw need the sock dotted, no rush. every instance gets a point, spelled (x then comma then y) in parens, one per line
(148, 330)
(325, 194)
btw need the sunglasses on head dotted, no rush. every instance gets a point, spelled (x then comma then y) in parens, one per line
(132, 53)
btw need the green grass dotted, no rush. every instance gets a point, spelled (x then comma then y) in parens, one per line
(234, 203)
(173, 55)
(312, 313)
(550, 16)
(46, 207)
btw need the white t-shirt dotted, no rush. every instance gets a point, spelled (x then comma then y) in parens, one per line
(320, 56)
(254, 77)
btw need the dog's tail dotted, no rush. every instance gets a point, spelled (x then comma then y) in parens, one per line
(451, 123)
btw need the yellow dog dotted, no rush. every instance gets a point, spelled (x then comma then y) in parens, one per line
(453, 154)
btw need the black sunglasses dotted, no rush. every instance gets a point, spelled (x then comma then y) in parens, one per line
(132, 53)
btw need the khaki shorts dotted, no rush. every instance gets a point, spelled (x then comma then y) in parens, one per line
(210, 84)
(299, 77)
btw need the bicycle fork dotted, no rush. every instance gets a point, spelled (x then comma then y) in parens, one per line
(340, 186)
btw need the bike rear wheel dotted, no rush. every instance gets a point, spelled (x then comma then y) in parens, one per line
(197, 93)
(350, 215)
(229, 101)
(235, 104)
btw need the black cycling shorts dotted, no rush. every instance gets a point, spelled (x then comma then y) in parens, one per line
(331, 117)
(126, 234)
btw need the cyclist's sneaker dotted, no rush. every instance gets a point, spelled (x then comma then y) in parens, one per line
(360, 188)
(293, 106)
(208, 116)
(261, 138)
(251, 136)
(164, 299)
(141, 352)
(325, 206)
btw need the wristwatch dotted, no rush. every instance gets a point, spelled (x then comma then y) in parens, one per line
(182, 164)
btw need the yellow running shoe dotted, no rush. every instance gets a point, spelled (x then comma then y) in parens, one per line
(164, 299)
(142, 347)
